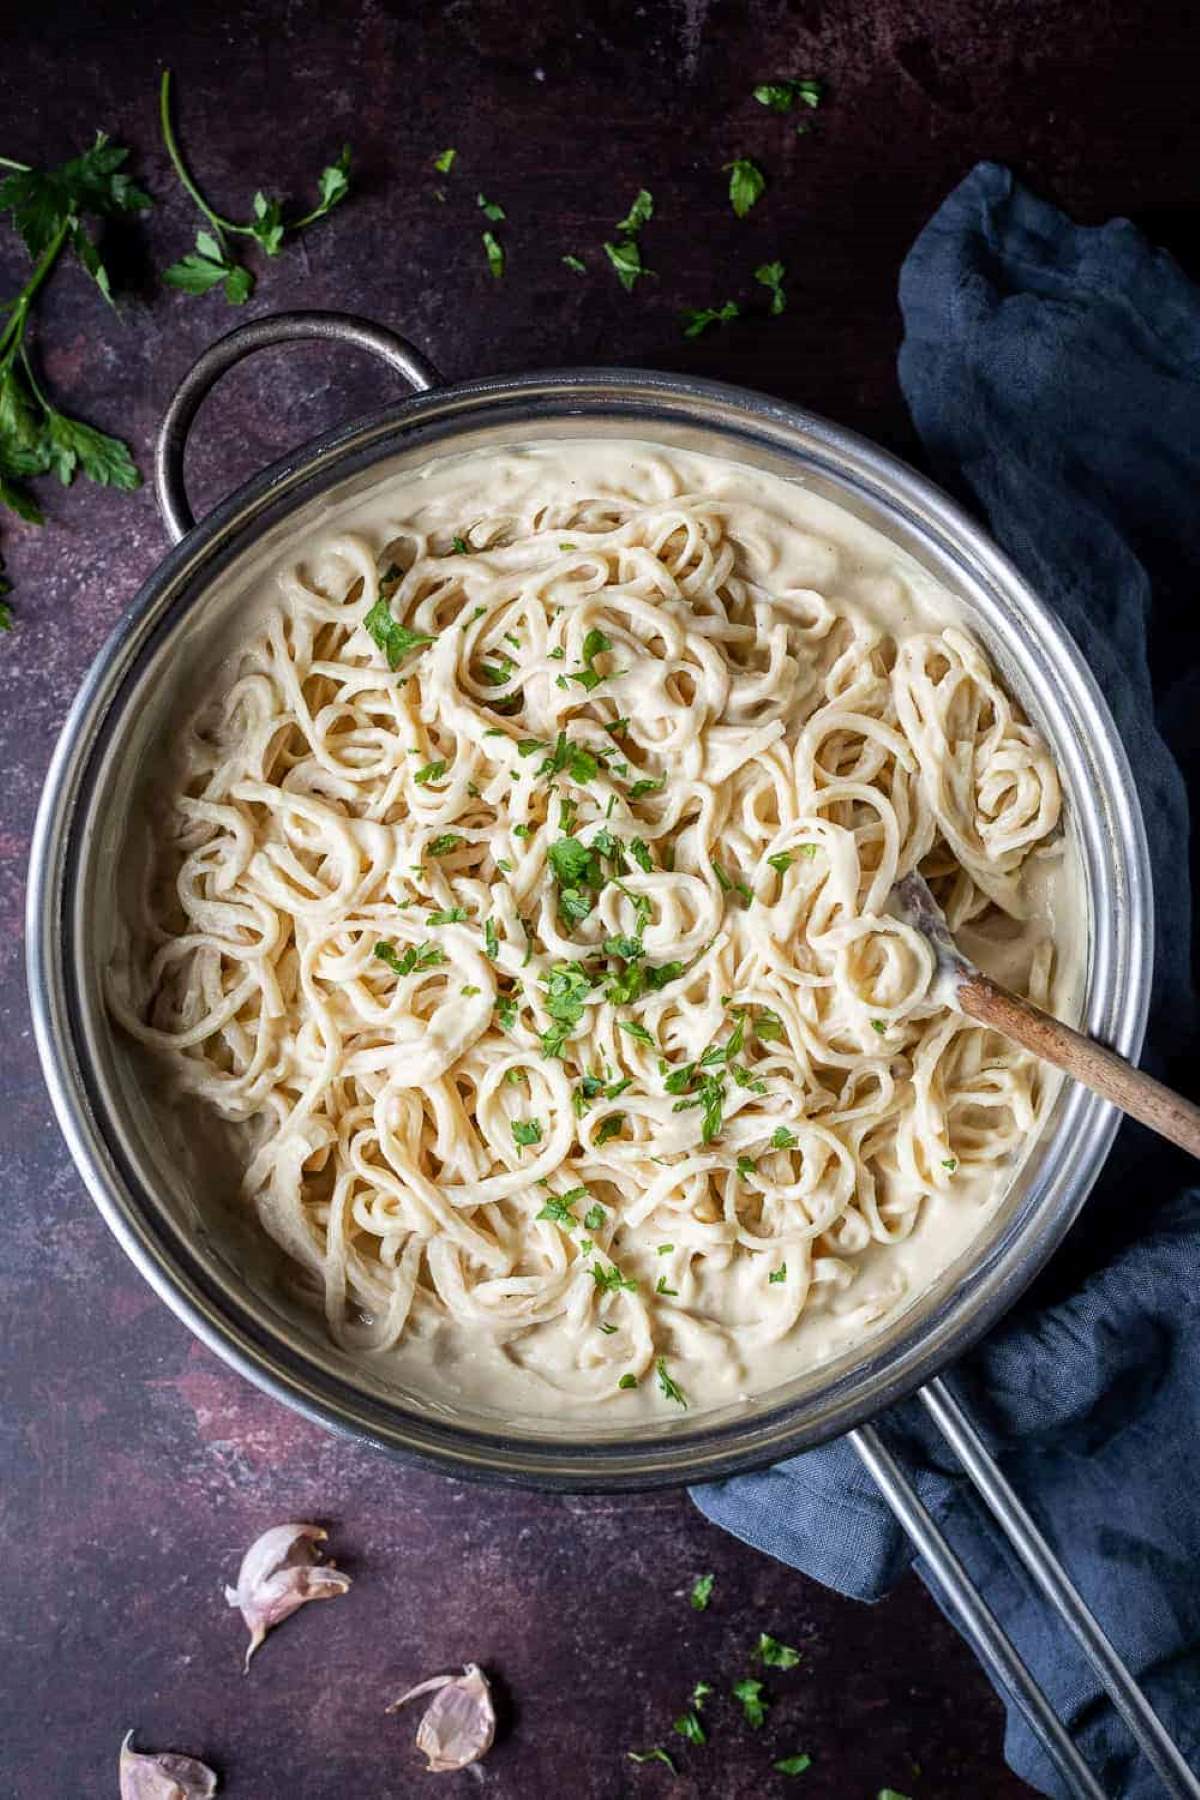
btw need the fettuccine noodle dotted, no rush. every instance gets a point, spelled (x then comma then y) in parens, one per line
(522, 887)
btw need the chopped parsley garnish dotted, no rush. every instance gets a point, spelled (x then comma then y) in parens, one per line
(520, 831)
(768, 1025)
(701, 1592)
(670, 1389)
(658, 1754)
(567, 986)
(647, 785)
(415, 959)
(637, 1032)
(460, 547)
(776, 1655)
(468, 991)
(879, 1026)
(695, 320)
(494, 252)
(641, 855)
(628, 1381)
(781, 96)
(626, 259)
(783, 1139)
(576, 263)
(746, 1165)
(639, 214)
(950, 1162)
(778, 1275)
(781, 862)
(557, 1212)
(709, 1094)
(594, 644)
(746, 183)
(444, 162)
(394, 639)
(579, 763)
(490, 209)
(660, 1287)
(611, 1280)
(451, 915)
(443, 845)
(770, 275)
(607, 1329)
(688, 1726)
(506, 1012)
(665, 1249)
(431, 772)
(526, 1132)
(753, 1705)
(491, 942)
(793, 1765)
(612, 1126)
(593, 1218)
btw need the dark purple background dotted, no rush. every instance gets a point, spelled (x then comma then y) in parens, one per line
(136, 1467)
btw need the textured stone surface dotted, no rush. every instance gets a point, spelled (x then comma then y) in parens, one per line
(137, 1467)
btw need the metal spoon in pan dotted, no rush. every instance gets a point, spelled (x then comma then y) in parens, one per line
(975, 994)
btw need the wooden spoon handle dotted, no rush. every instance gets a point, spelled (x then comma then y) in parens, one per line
(1106, 1073)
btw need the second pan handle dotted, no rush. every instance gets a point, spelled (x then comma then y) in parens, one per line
(244, 340)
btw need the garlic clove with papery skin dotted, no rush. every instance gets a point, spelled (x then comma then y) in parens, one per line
(457, 1727)
(163, 1776)
(279, 1573)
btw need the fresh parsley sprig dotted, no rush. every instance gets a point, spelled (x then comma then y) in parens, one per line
(212, 263)
(52, 210)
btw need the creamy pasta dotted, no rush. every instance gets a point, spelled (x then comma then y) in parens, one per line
(521, 890)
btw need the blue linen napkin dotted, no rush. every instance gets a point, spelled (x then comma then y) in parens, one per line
(1053, 373)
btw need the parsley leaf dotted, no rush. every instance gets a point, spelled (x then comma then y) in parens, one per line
(753, 1705)
(491, 209)
(670, 1389)
(638, 215)
(688, 1726)
(394, 639)
(781, 862)
(793, 1765)
(431, 772)
(491, 942)
(593, 1218)
(445, 844)
(701, 1592)
(658, 1754)
(781, 96)
(776, 1655)
(770, 275)
(494, 251)
(451, 915)
(612, 1126)
(777, 1275)
(694, 322)
(783, 1139)
(444, 161)
(575, 262)
(637, 1032)
(526, 1132)
(626, 259)
(212, 262)
(611, 1280)
(746, 184)
(415, 959)
(558, 1212)
(641, 855)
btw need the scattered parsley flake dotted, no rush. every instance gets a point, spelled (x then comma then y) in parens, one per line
(753, 1705)
(658, 1754)
(770, 275)
(415, 959)
(701, 1592)
(445, 843)
(628, 1381)
(611, 1127)
(639, 214)
(638, 1032)
(647, 785)
(793, 1765)
(951, 1163)
(688, 1726)
(431, 772)
(593, 1218)
(611, 1280)
(626, 260)
(746, 1165)
(576, 263)
(449, 915)
(491, 209)
(879, 1026)
(746, 184)
(608, 1330)
(558, 1212)
(777, 1275)
(468, 991)
(494, 253)
(783, 1139)
(696, 320)
(444, 162)
(775, 1655)
(781, 862)
(491, 942)
(660, 1287)
(526, 1132)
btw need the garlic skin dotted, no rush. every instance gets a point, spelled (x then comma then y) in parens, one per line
(458, 1727)
(279, 1573)
(163, 1776)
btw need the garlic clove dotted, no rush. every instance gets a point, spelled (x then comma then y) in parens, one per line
(163, 1776)
(457, 1727)
(279, 1573)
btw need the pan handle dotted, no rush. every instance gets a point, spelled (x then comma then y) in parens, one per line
(263, 334)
